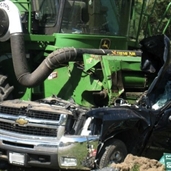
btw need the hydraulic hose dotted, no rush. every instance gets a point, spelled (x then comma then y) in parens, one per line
(51, 62)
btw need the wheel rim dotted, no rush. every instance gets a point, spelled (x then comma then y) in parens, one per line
(116, 157)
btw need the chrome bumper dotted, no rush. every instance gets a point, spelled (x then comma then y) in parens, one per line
(70, 152)
(34, 152)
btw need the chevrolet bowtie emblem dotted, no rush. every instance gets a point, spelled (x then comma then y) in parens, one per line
(22, 121)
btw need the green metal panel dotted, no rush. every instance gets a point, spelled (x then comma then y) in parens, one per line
(89, 41)
(112, 74)
(90, 61)
(115, 70)
(72, 82)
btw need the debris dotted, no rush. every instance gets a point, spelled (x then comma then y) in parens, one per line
(135, 163)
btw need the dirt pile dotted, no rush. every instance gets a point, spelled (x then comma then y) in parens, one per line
(134, 163)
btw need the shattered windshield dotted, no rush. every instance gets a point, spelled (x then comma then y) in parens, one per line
(164, 96)
(109, 17)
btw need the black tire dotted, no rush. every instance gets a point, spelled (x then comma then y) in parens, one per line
(5, 89)
(115, 151)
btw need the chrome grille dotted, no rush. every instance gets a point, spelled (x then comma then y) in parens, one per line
(29, 113)
(29, 130)
(11, 110)
(31, 118)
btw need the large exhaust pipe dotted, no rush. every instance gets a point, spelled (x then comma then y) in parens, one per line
(51, 62)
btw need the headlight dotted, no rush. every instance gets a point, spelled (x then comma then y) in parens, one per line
(68, 161)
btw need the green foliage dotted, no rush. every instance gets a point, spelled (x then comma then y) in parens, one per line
(156, 18)
(150, 17)
(135, 167)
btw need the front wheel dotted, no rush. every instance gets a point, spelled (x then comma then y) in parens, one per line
(115, 151)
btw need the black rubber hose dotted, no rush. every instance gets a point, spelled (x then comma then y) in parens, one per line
(51, 62)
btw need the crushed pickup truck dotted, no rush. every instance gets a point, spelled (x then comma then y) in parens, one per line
(62, 135)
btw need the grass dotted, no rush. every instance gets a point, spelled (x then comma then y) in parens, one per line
(135, 167)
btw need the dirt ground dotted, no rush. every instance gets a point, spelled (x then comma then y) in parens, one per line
(134, 163)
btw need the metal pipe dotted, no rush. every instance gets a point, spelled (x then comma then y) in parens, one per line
(51, 62)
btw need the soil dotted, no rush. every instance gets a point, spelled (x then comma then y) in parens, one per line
(134, 163)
